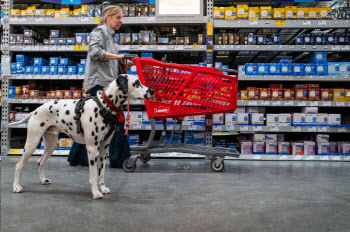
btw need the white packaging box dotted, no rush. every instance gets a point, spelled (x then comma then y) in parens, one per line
(271, 138)
(309, 148)
(309, 110)
(258, 137)
(251, 110)
(346, 148)
(284, 148)
(297, 148)
(333, 147)
(188, 121)
(311, 119)
(322, 119)
(271, 148)
(239, 109)
(256, 119)
(334, 119)
(321, 138)
(62, 144)
(284, 119)
(322, 148)
(199, 120)
(230, 119)
(135, 117)
(246, 147)
(280, 137)
(298, 119)
(242, 119)
(272, 120)
(218, 119)
(258, 147)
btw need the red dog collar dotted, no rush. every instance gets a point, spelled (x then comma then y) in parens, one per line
(113, 107)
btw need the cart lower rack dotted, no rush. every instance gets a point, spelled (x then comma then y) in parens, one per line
(179, 91)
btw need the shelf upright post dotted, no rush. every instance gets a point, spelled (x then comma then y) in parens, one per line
(6, 74)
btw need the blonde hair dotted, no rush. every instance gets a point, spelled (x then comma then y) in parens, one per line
(109, 10)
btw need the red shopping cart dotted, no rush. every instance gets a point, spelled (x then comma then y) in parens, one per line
(179, 91)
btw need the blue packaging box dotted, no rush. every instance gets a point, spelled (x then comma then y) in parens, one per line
(37, 70)
(274, 68)
(53, 70)
(81, 69)
(286, 61)
(251, 68)
(26, 60)
(14, 68)
(344, 68)
(20, 68)
(261, 39)
(29, 69)
(263, 68)
(66, 62)
(72, 70)
(334, 68)
(147, 54)
(298, 69)
(54, 61)
(38, 61)
(45, 70)
(241, 70)
(82, 61)
(321, 68)
(12, 92)
(310, 68)
(62, 70)
(286, 69)
(318, 57)
(80, 38)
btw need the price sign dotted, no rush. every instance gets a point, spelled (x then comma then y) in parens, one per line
(257, 128)
(218, 128)
(335, 48)
(137, 127)
(335, 157)
(345, 48)
(342, 129)
(265, 103)
(78, 47)
(125, 47)
(310, 157)
(280, 23)
(322, 129)
(15, 151)
(96, 19)
(307, 22)
(313, 103)
(301, 103)
(253, 22)
(179, 47)
(296, 129)
(257, 157)
(327, 103)
(312, 129)
(148, 127)
(53, 47)
(324, 158)
(243, 128)
(288, 103)
(283, 157)
(192, 128)
(27, 48)
(195, 46)
(276, 103)
(340, 103)
(322, 23)
(252, 103)
(230, 128)
(297, 157)
(275, 128)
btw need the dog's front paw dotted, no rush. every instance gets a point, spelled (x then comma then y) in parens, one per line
(97, 196)
(105, 190)
(45, 181)
(17, 188)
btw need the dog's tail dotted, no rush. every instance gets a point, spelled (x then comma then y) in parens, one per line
(23, 120)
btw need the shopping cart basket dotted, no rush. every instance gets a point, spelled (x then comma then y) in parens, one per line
(183, 90)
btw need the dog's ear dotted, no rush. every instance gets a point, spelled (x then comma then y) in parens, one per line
(122, 82)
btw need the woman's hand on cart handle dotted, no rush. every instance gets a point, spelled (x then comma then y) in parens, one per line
(110, 56)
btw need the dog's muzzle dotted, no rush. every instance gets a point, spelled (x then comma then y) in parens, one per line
(149, 93)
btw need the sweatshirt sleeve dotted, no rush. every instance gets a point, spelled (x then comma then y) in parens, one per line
(96, 50)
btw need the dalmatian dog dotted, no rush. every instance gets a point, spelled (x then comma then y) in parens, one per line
(56, 117)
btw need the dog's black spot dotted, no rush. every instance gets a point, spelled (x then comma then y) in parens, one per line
(36, 113)
(99, 171)
(67, 124)
(50, 107)
(58, 115)
(120, 96)
(70, 128)
(102, 183)
(101, 165)
(96, 159)
(90, 119)
(64, 105)
(110, 96)
(96, 138)
(82, 111)
(47, 181)
(57, 111)
(103, 128)
(56, 121)
(137, 84)
(74, 101)
(96, 115)
(96, 143)
(106, 146)
(103, 102)
(50, 111)
(64, 122)
(42, 124)
(66, 131)
(101, 159)
(67, 112)
(92, 162)
(93, 133)
(47, 120)
(125, 97)
(95, 123)
(55, 102)
(105, 157)
(122, 102)
(116, 100)
(98, 148)
(71, 123)
(96, 109)
(96, 129)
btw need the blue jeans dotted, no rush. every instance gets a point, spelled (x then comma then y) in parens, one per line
(119, 148)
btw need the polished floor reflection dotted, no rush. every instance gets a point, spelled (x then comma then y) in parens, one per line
(180, 195)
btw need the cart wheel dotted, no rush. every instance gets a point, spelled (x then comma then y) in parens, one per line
(145, 157)
(128, 167)
(215, 167)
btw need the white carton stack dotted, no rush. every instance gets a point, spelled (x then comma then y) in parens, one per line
(322, 119)
(272, 120)
(334, 119)
(230, 119)
(284, 119)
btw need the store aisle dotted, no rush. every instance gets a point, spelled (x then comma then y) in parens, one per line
(180, 195)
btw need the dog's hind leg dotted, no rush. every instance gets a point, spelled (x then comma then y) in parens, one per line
(32, 142)
(93, 156)
(50, 141)
(101, 168)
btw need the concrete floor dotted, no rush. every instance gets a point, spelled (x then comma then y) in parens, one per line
(181, 195)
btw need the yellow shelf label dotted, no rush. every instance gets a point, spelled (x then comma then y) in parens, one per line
(86, 47)
(209, 28)
(15, 151)
(78, 47)
(96, 19)
(280, 22)
(195, 46)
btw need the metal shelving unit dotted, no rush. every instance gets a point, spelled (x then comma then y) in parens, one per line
(284, 48)
(293, 129)
(292, 78)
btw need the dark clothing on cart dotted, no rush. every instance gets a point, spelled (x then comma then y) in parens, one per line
(119, 149)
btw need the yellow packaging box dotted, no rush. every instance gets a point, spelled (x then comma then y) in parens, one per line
(30, 11)
(230, 13)
(50, 12)
(338, 94)
(278, 13)
(84, 10)
(62, 144)
(244, 94)
(314, 13)
(23, 12)
(64, 12)
(219, 13)
(253, 13)
(40, 12)
(325, 13)
(265, 12)
(69, 143)
(242, 11)
(303, 13)
(291, 12)
(15, 12)
(57, 14)
(347, 95)
(77, 12)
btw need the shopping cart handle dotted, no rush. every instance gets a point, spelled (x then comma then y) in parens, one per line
(130, 56)
(226, 70)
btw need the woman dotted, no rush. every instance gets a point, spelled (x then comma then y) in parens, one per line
(101, 69)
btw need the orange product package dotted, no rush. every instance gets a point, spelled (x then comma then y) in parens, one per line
(301, 94)
(276, 93)
(288, 94)
(253, 93)
(326, 94)
(313, 94)
(265, 93)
